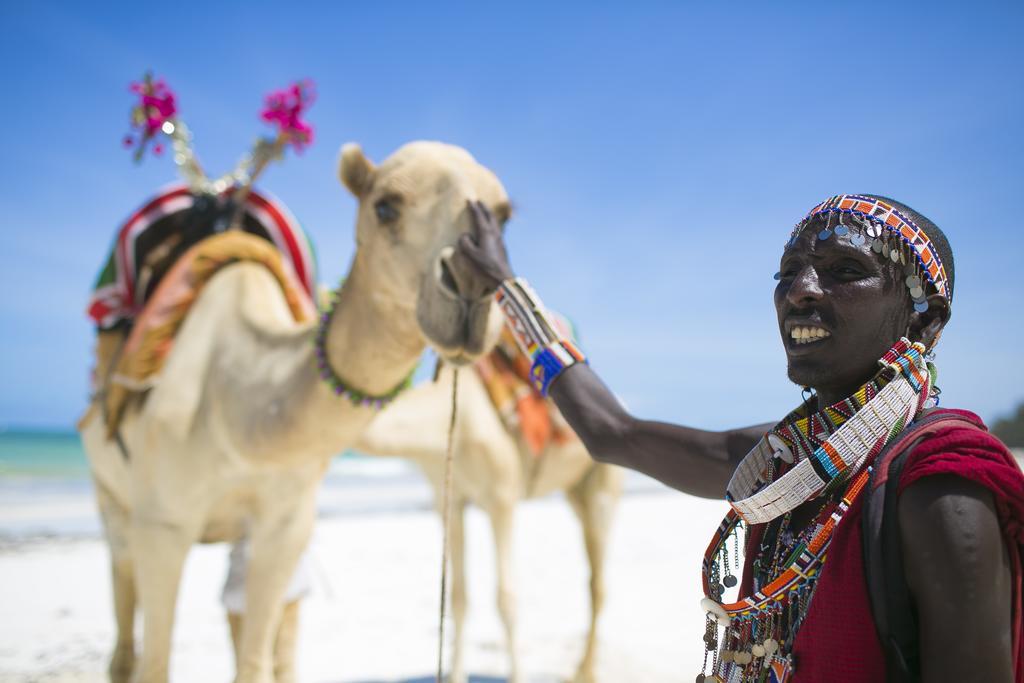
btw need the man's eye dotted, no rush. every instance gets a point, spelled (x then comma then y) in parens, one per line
(848, 272)
(386, 211)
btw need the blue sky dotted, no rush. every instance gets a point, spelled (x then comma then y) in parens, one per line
(651, 149)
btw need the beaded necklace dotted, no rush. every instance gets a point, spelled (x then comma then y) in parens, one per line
(827, 447)
(751, 638)
(336, 383)
(779, 544)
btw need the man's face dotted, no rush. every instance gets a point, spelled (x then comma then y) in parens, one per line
(840, 307)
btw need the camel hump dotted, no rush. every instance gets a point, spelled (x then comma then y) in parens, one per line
(139, 355)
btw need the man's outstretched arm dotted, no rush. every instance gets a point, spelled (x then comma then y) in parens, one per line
(694, 461)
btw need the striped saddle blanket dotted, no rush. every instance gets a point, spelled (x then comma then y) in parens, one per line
(147, 245)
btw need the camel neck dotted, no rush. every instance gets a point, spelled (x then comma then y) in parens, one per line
(373, 341)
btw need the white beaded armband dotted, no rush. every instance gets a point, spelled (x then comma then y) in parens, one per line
(536, 333)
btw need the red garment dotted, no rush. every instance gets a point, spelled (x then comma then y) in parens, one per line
(838, 642)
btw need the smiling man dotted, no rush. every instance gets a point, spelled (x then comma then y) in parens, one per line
(884, 536)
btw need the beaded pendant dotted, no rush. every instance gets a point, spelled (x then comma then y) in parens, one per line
(751, 638)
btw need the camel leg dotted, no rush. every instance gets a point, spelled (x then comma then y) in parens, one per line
(123, 660)
(116, 525)
(502, 516)
(159, 551)
(277, 544)
(285, 643)
(287, 632)
(457, 549)
(235, 626)
(594, 499)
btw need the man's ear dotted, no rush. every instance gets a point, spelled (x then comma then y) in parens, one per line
(355, 170)
(925, 327)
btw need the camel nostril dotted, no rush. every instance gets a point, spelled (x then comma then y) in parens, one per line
(457, 279)
(445, 276)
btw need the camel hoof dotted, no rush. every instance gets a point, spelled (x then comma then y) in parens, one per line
(585, 675)
(122, 663)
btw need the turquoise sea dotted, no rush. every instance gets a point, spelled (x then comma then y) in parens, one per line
(52, 455)
(46, 489)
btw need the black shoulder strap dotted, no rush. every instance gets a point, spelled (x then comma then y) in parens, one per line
(891, 604)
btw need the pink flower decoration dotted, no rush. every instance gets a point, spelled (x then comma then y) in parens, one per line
(284, 109)
(156, 106)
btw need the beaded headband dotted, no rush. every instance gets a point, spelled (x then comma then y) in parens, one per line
(883, 223)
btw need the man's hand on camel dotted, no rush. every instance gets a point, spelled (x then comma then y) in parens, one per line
(484, 247)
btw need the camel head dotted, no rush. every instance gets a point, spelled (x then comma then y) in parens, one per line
(412, 210)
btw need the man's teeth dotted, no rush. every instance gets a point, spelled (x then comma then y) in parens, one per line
(806, 335)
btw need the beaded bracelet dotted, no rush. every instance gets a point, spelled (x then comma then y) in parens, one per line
(551, 361)
(536, 333)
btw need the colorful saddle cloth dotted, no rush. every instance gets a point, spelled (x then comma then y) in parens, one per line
(154, 236)
(506, 376)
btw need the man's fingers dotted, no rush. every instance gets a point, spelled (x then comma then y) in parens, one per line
(475, 221)
(492, 222)
(484, 218)
(467, 244)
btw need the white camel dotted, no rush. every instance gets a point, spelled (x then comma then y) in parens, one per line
(494, 469)
(238, 431)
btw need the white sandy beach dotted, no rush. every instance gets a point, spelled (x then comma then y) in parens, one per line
(373, 614)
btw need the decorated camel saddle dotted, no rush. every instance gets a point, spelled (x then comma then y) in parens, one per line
(173, 244)
(505, 373)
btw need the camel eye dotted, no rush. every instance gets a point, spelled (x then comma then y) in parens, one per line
(386, 210)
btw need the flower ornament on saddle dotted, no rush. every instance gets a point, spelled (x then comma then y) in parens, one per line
(284, 108)
(151, 116)
(156, 114)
